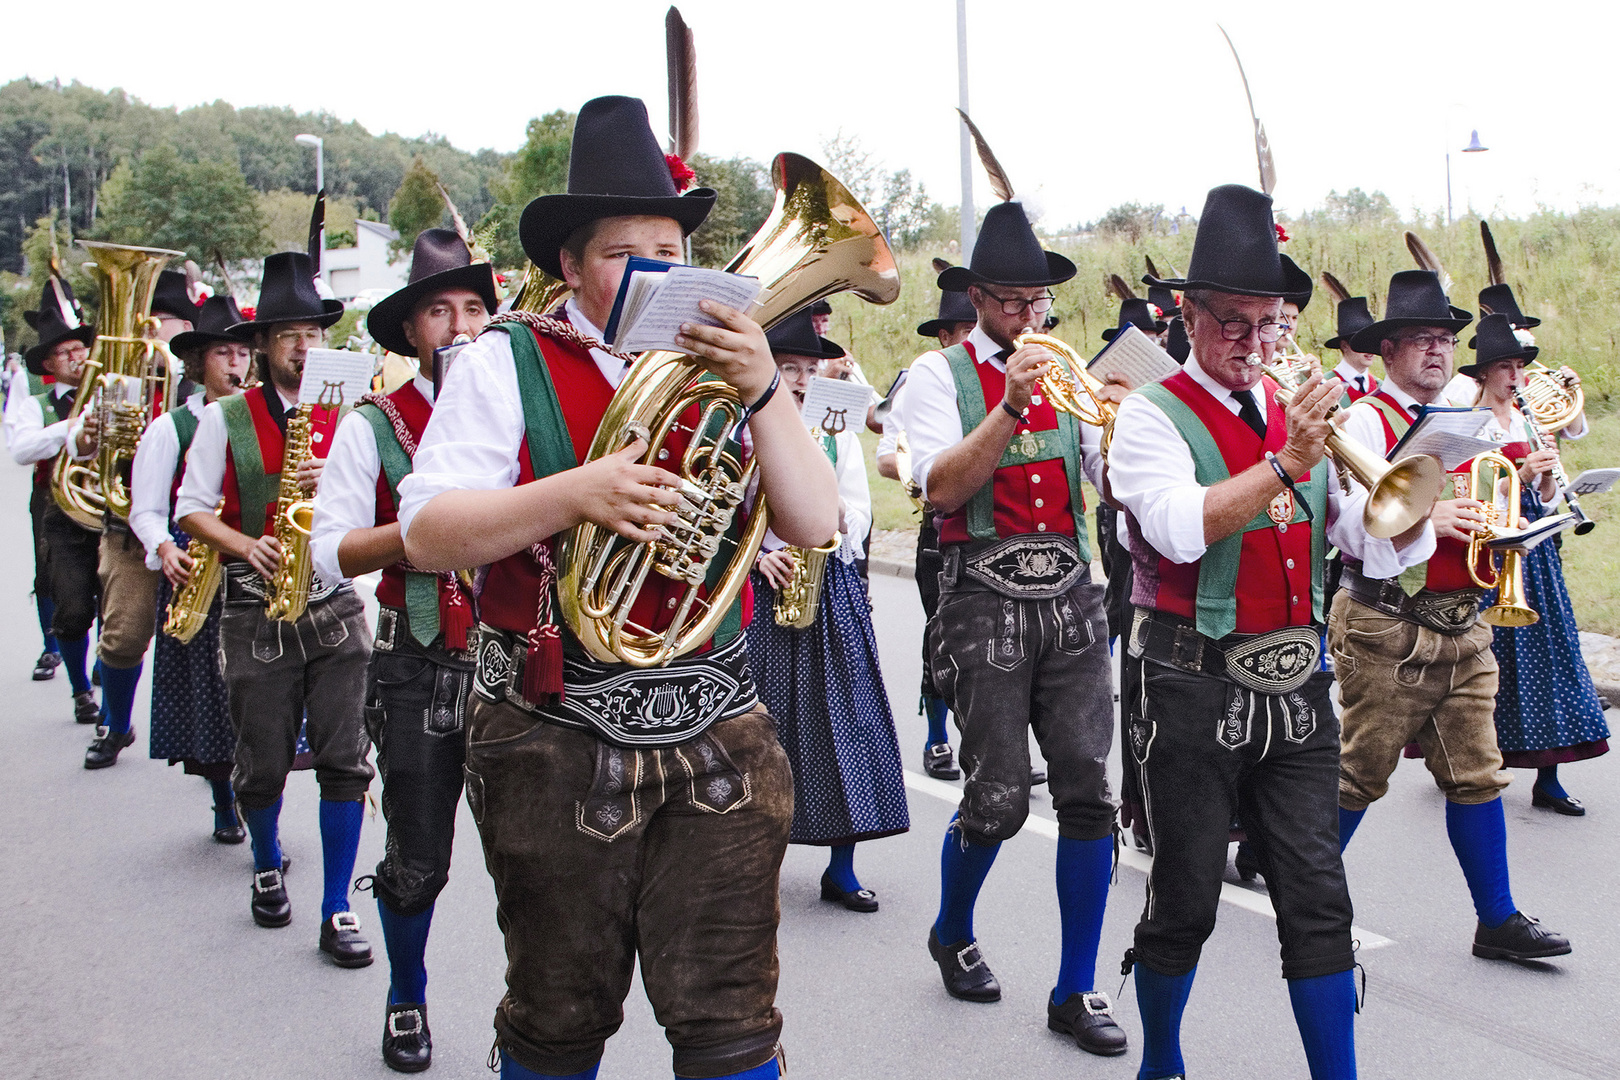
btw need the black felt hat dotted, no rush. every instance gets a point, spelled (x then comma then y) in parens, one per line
(217, 320)
(1498, 300)
(287, 294)
(1415, 299)
(615, 169)
(1300, 285)
(1137, 313)
(1235, 250)
(53, 326)
(1176, 343)
(440, 260)
(1353, 316)
(1007, 253)
(797, 335)
(1165, 300)
(172, 297)
(1495, 341)
(954, 307)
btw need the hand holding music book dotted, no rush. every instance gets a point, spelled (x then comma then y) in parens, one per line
(656, 297)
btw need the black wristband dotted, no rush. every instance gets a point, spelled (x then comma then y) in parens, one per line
(764, 399)
(1012, 412)
(1288, 482)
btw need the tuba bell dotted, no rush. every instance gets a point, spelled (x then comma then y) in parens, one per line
(817, 241)
(1485, 476)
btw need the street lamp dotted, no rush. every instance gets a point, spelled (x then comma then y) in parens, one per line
(1473, 147)
(320, 173)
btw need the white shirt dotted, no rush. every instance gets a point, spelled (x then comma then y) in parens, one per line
(28, 436)
(1151, 472)
(347, 499)
(150, 478)
(933, 424)
(853, 492)
(1364, 423)
(1345, 373)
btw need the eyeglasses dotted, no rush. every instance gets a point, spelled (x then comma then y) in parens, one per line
(1011, 306)
(1238, 329)
(292, 337)
(1427, 342)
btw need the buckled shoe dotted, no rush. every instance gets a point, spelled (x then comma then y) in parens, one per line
(407, 1044)
(940, 763)
(45, 667)
(1089, 1018)
(963, 970)
(271, 907)
(103, 751)
(342, 941)
(862, 900)
(85, 709)
(1562, 804)
(1519, 938)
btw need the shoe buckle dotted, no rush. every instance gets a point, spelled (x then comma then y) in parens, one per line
(415, 1017)
(266, 880)
(972, 950)
(1097, 1004)
(346, 920)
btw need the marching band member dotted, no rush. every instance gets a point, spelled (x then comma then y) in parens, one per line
(822, 684)
(278, 674)
(596, 857)
(420, 671)
(1004, 467)
(1413, 658)
(1142, 315)
(1295, 302)
(1351, 370)
(22, 385)
(190, 719)
(1231, 508)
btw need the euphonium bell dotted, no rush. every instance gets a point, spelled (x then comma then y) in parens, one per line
(1485, 477)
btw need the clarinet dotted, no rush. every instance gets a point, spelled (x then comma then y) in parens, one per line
(1584, 524)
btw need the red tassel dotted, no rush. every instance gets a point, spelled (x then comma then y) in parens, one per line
(455, 616)
(543, 670)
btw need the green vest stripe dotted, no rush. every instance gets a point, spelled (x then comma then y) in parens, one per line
(256, 489)
(185, 429)
(421, 590)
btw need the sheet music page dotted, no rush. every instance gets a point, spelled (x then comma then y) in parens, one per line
(835, 405)
(335, 377)
(674, 300)
(1594, 481)
(1450, 434)
(1133, 357)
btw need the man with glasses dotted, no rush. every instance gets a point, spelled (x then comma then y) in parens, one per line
(279, 674)
(1414, 660)
(1019, 643)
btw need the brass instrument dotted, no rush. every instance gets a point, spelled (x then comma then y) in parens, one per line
(817, 241)
(1485, 476)
(539, 292)
(797, 601)
(1548, 441)
(902, 468)
(128, 382)
(1301, 364)
(1554, 398)
(1065, 380)
(189, 606)
(1399, 495)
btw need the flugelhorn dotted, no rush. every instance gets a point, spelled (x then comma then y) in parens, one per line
(1069, 386)
(1485, 476)
(817, 241)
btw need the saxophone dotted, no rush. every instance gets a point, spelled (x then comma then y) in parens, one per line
(188, 608)
(798, 600)
(289, 589)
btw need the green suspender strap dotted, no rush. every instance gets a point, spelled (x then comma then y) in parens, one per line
(185, 428)
(1026, 449)
(1413, 578)
(36, 385)
(1398, 423)
(421, 590)
(256, 489)
(1218, 569)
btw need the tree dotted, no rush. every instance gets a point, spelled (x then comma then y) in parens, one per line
(1356, 207)
(417, 205)
(539, 168)
(286, 219)
(1132, 221)
(196, 207)
(744, 198)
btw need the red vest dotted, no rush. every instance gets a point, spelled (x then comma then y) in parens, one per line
(1355, 394)
(1032, 498)
(415, 410)
(272, 447)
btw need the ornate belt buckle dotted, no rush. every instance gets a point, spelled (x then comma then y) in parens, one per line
(1028, 568)
(1187, 650)
(1275, 663)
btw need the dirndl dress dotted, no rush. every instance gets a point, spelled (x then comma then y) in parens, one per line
(825, 690)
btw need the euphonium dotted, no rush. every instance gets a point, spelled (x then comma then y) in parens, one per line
(1066, 379)
(797, 601)
(128, 381)
(289, 589)
(817, 241)
(188, 608)
(1554, 398)
(1484, 478)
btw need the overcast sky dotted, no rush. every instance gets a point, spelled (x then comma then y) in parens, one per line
(1088, 105)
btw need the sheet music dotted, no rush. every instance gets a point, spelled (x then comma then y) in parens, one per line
(1132, 356)
(660, 303)
(335, 377)
(1594, 481)
(1450, 434)
(835, 405)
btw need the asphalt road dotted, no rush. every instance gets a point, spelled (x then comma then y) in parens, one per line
(127, 950)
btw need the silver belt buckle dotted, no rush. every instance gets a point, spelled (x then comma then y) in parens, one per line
(1275, 663)
(387, 629)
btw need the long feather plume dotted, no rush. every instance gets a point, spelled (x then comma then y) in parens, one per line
(455, 218)
(317, 222)
(1493, 261)
(998, 176)
(681, 52)
(1262, 145)
(1122, 292)
(1428, 260)
(1335, 288)
(941, 265)
(194, 279)
(224, 274)
(72, 313)
(1153, 271)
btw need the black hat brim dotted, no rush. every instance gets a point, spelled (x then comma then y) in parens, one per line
(385, 320)
(333, 312)
(1369, 339)
(184, 343)
(830, 350)
(1058, 270)
(550, 220)
(1527, 354)
(35, 357)
(1113, 331)
(932, 327)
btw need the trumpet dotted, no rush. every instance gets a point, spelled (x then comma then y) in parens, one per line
(1548, 441)
(1485, 476)
(798, 600)
(1065, 381)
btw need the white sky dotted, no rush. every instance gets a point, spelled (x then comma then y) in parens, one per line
(1087, 104)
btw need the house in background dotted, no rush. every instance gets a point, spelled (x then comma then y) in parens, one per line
(367, 267)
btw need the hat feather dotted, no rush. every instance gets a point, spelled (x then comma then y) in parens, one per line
(681, 53)
(1493, 261)
(1121, 291)
(1335, 288)
(317, 222)
(1428, 260)
(998, 176)
(224, 274)
(1262, 145)
(1153, 271)
(941, 265)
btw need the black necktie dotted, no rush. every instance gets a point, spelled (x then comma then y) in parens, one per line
(1361, 383)
(1250, 412)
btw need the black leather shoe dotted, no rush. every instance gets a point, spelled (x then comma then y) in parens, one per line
(1037, 777)
(1561, 804)
(45, 667)
(1246, 862)
(235, 834)
(1520, 938)
(270, 904)
(963, 969)
(407, 1042)
(864, 900)
(1089, 1018)
(342, 941)
(85, 709)
(940, 763)
(103, 751)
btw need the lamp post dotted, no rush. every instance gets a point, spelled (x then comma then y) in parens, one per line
(320, 173)
(968, 221)
(1473, 147)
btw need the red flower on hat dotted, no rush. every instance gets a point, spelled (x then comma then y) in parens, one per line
(680, 172)
(1282, 236)
(1158, 312)
(248, 313)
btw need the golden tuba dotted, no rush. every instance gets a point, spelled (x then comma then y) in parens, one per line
(798, 600)
(128, 382)
(1484, 478)
(1065, 381)
(817, 241)
(190, 604)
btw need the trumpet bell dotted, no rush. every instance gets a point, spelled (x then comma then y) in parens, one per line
(1510, 608)
(1402, 496)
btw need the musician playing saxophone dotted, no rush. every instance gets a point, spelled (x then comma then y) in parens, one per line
(278, 674)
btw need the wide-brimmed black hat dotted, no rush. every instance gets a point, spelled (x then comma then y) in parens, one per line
(1137, 313)
(1165, 300)
(1498, 300)
(1353, 316)
(1175, 341)
(216, 321)
(1300, 284)
(173, 297)
(1235, 250)
(287, 294)
(954, 307)
(1007, 253)
(1496, 341)
(615, 169)
(1415, 299)
(795, 334)
(53, 328)
(440, 260)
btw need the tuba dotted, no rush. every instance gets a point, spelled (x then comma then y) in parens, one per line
(188, 608)
(817, 241)
(128, 382)
(1485, 476)
(1066, 379)
(798, 600)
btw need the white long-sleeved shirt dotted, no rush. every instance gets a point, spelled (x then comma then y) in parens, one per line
(28, 436)
(853, 493)
(1151, 472)
(150, 478)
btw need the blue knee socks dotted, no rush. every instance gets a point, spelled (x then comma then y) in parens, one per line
(511, 1070)
(1083, 870)
(118, 686)
(841, 868)
(224, 804)
(1479, 837)
(340, 838)
(74, 651)
(47, 611)
(935, 708)
(1161, 999)
(1547, 782)
(962, 869)
(264, 831)
(1349, 821)
(1325, 1010)
(767, 1071)
(405, 937)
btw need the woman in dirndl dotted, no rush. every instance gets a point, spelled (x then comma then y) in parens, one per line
(822, 684)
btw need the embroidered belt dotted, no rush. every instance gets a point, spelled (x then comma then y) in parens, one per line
(626, 706)
(1278, 662)
(1027, 567)
(394, 635)
(245, 587)
(1446, 613)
